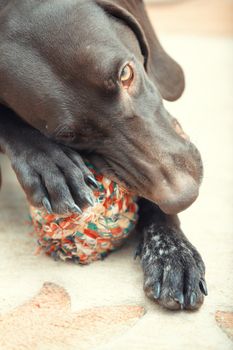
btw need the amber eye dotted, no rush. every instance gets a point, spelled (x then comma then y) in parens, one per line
(127, 75)
(67, 136)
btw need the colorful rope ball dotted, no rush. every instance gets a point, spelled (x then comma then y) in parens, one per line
(84, 238)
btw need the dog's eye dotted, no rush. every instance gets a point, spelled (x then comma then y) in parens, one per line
(126, 76)
(66, 136)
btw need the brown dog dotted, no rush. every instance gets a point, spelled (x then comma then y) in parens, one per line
(84, 77)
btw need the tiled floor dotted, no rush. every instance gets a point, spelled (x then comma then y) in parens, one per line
(205, 110)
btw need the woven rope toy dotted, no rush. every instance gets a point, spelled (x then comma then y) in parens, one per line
(90, 236)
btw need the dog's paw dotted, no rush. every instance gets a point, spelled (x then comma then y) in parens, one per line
(54, 177)
(173, 270)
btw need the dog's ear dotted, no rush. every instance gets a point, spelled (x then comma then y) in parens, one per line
(166, 73)
(120, 13)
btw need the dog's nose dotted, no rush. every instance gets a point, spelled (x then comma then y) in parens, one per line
(178, 204)
(175, 198)
(178, 129)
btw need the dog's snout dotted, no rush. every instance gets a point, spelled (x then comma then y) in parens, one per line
(175, 198)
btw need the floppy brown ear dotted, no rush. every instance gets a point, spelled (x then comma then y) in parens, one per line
(163, 70)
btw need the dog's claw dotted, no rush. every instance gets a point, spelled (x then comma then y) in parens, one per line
(193, 299)
(138, 251)
(203, 287)
(76, 209)
(180, 298)
(47, 205)
(90, 200)
(91, 181)
(157, 289)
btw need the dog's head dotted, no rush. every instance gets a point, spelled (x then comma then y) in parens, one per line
(89, 76)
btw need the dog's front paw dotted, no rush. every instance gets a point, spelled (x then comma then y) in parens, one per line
(53, 176)
(173, 269)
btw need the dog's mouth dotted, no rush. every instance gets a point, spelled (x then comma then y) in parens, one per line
(170, 179)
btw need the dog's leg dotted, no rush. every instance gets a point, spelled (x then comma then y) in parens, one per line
(173, 269)
(51, 175)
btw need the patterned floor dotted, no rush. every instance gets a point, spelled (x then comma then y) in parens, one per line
(52, 305)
